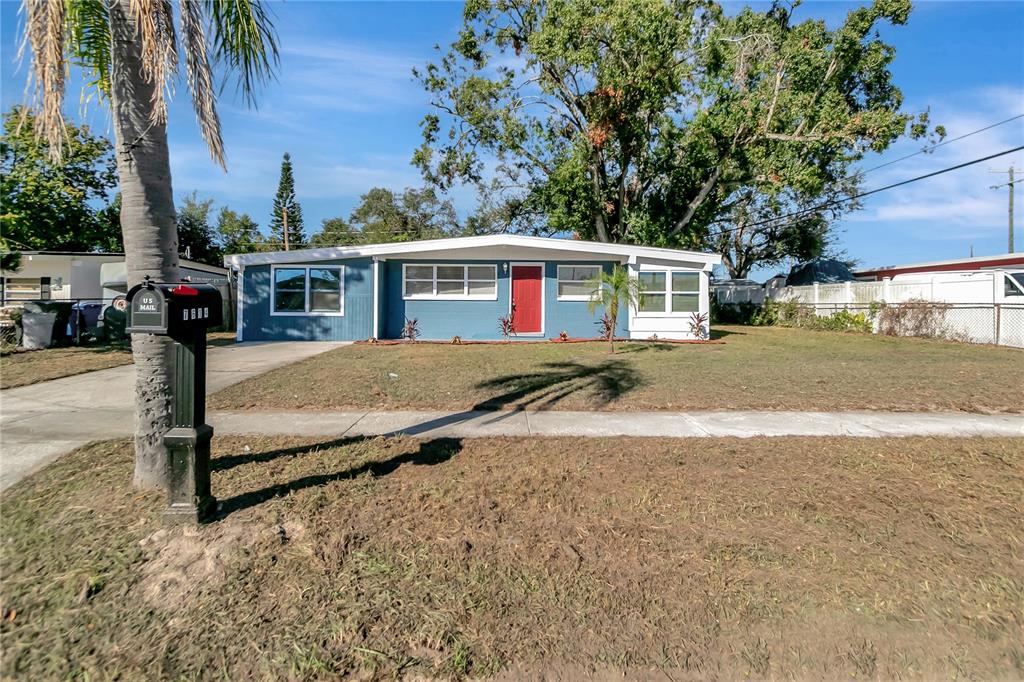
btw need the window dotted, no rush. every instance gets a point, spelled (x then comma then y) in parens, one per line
(575, 282)
(27, 288)
(669, 292)
(1013, 285)
(450, 282)
(304, 290)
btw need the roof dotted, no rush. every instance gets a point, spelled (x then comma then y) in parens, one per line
(491, 240)
(1016, 258)
(191, 264)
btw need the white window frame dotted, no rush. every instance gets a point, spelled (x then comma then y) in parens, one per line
(307, 312)
(574, 297)
(464, 296)
(667, 292)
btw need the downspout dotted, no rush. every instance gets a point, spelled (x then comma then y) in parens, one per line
(239, 303)
(376, 297)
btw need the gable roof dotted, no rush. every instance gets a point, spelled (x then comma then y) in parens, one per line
(491, 240)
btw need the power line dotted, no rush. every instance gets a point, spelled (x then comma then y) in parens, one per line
(942, 144)
(836, 202)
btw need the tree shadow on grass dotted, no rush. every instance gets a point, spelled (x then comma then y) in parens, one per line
(430, 452)
(605, 382)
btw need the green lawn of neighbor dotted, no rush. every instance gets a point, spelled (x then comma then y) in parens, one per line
(764, 368)
(688, 559)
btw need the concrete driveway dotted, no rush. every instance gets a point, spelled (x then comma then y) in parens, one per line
(39, 423)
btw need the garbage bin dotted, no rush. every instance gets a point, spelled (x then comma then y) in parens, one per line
(84, 316)
(37, 329)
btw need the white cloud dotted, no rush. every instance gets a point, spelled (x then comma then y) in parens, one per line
(959, 204)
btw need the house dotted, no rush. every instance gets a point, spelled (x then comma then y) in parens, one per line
(70, 276)
(461, 287)
(1006, 261)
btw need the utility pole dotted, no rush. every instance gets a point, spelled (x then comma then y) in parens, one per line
(1009, 241)
(284, 218)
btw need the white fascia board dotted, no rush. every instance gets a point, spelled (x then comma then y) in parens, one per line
(431, 245)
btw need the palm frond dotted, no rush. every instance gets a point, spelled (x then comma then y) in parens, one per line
(88, 26)
(154, 27)
(44, 35)
(245, 41)
(200, 78)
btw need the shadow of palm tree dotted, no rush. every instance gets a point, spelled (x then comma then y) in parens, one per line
(430, 452)
(606, 381)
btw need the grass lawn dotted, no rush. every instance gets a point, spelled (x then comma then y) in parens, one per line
(755, 368)
(663, 559)
(24, 367)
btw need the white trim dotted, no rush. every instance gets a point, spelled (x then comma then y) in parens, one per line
(464, 296)
(307, 312)
(376, 298)
(705, 260)
(668, 292)
(543, 293)
(239, 304)
(558, 280)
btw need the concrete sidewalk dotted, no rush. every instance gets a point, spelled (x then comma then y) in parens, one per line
(744, 424)
(41, 422)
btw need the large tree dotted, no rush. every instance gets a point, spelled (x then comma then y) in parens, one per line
(238, 233)
(287, 210)
(48, 203)
(336, 232)
(129, 51)
(384, 216)
(651, 121)
(196, 238)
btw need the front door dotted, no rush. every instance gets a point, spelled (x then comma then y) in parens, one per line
(527, 298)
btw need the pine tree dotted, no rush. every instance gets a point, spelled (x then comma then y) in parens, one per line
(285, 200)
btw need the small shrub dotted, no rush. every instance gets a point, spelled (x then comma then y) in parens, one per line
(563, 336)
(734, 313)
(411, 329)
(699, 326)
(916, 317)
(507, 325)
(606, 327)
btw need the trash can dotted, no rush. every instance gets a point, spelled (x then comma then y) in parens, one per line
(37, 329)
(84, 316)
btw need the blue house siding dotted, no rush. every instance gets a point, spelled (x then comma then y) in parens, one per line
(478, 320)
(357, 322)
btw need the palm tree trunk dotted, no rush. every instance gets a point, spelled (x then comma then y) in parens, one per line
(150, 234)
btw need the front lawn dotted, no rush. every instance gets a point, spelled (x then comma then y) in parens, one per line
(755, 368)
(664, 559)
(24, 367)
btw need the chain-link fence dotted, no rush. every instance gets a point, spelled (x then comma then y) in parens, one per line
(996, 323)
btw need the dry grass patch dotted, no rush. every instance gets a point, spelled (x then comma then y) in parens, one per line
(756, 368)
(24, 367)
(782, 558)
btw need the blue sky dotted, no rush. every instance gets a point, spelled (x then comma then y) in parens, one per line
(347, 109)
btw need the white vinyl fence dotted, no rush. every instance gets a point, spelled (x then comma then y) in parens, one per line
(980, 307)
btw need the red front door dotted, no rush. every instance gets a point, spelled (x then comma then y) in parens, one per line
(527, 298)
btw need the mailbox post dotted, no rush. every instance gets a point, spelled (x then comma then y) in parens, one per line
(184, 312)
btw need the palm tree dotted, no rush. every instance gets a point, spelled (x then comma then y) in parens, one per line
(129, 51)
(611, 289)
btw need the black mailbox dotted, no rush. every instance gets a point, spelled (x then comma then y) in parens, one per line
(184, 312)
(181, 310)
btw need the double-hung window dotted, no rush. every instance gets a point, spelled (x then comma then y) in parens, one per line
(576, 282)
(308, 290)
(449, 282)
(669, 291)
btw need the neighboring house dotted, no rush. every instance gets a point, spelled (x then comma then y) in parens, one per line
(1007, 261)
(461, 287)
(68, 275)
(55, 275)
